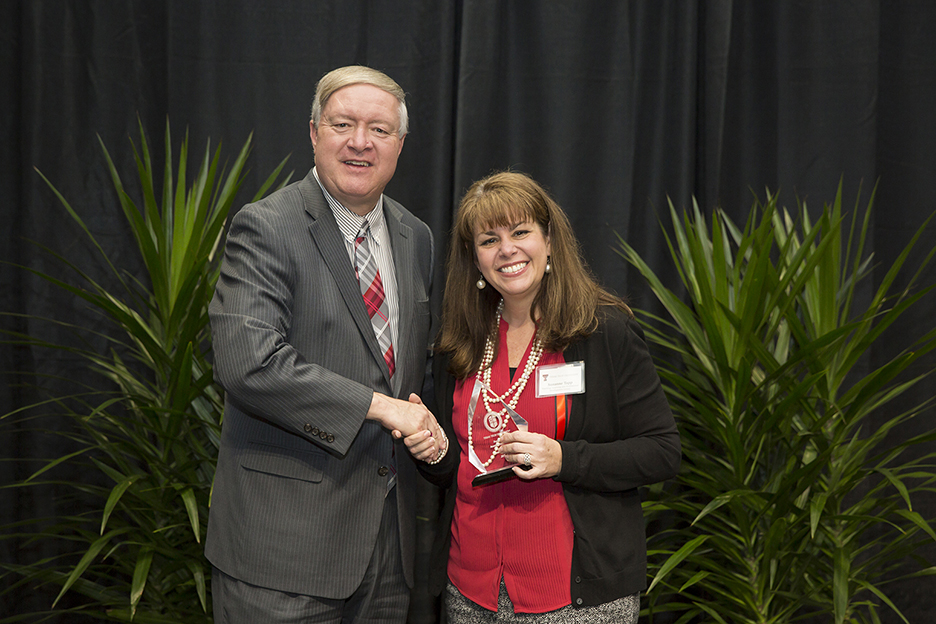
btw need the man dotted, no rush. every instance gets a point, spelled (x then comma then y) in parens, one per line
(320, 323)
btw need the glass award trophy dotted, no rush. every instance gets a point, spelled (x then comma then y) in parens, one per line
(487, 427)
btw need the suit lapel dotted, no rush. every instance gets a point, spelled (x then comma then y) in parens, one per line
(327, 237)
(401, 243)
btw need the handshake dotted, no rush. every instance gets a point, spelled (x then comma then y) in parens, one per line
(412, 421)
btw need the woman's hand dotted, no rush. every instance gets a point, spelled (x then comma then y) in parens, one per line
(545, 454)
(421, 445)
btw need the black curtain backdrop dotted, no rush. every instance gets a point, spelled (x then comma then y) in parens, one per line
(614, 106)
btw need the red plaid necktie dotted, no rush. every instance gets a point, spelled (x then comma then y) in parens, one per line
(365, 265)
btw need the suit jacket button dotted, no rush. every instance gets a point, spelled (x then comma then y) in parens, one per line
(382, 471)
(578, 601)
(578, 579)
(308, 428)
(322, 435)
(330, 438)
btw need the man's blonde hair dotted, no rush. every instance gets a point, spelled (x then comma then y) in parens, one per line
(358, 74)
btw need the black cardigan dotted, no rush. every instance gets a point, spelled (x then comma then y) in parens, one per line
(620, 435)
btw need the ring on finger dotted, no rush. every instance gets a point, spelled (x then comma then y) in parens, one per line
(527, 460)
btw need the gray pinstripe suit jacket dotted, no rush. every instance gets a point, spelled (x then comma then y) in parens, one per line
(301, 477)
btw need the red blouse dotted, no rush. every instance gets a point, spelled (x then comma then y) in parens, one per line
(519, 530)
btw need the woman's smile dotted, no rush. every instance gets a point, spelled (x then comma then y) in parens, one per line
(513, 259)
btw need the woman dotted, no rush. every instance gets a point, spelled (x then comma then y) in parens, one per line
(540, 368)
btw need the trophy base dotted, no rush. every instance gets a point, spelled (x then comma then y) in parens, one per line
(496, 476)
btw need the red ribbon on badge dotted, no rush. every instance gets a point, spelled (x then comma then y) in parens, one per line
(560, 416)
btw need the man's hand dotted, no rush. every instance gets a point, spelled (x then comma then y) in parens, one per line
(412, 420)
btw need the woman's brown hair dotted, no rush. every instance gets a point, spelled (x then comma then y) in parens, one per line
(569, 297)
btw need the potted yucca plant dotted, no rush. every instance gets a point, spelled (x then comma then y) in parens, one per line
(792, 501)
(147, 434)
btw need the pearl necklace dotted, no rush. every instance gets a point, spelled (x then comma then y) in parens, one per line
(499, 418)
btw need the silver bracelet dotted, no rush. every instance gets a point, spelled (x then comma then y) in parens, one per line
(443, 451)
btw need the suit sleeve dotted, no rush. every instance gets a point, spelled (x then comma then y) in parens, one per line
(251, 313)
(626, 436)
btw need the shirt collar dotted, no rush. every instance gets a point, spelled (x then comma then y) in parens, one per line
(350, 223)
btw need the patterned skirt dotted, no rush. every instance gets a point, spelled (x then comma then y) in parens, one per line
(460, 610)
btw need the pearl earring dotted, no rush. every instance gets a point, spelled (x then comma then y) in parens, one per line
(548, 267)
(481, 283)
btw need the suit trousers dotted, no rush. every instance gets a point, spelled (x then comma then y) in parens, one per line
(381, 598)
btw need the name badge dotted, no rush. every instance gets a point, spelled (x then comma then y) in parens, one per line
(556, 379)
